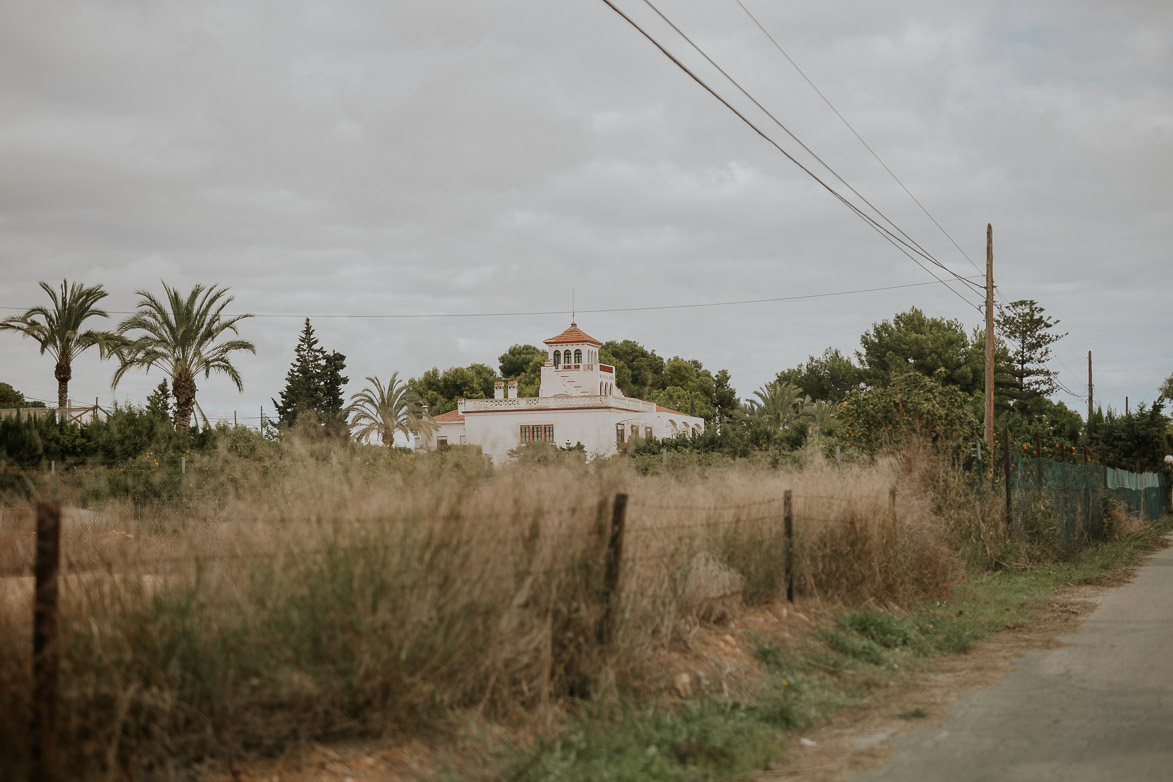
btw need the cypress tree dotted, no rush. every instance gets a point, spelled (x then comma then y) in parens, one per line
(313, 385)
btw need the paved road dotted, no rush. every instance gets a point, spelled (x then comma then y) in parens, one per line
(1099, 708)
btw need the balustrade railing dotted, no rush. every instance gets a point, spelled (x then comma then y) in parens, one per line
(558, 403)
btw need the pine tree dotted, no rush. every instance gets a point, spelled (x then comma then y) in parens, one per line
(313, 385)
(159, 402)
(1028, 330)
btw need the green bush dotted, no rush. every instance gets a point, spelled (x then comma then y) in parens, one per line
(910, 406)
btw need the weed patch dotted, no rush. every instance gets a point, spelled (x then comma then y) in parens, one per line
(704, 741)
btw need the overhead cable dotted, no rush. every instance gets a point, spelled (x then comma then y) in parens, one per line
(867, 218)
(645, 308)
(856, 133)
(907, 240)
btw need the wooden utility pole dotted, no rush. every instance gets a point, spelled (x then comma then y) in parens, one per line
(1090, 406)
(990, 336)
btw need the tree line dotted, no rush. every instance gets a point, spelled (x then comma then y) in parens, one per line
(189, 335)
(910, 372)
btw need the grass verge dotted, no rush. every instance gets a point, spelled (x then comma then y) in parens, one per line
(711, 738)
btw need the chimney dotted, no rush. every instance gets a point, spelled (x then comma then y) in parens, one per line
(499, 390)
(513, 389)
(460, 406)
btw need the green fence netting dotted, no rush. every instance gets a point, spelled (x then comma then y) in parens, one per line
(1073, 494)
(1141, 494)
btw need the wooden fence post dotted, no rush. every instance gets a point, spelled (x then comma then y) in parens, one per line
(1039, 464)
(183, 485)
(48, 558)
(611, 571)
(1009, 488)
(787, 509)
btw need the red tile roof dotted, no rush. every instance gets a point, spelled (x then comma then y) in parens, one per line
(573, 334)
(661, 409)
(449, 417)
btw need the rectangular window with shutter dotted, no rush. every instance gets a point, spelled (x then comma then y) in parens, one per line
(548, 432)
(620, 432)
(525, 434)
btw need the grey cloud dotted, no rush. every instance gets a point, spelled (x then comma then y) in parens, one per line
(472, 157)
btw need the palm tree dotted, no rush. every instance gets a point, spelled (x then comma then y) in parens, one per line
(58, 329)
(385, 410)
(179, 334)
(778, 404)
(821, 417)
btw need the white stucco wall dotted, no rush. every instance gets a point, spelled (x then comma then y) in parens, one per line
(580, 380)
(495, 425)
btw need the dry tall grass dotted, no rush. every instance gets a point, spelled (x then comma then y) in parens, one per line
(300, 602)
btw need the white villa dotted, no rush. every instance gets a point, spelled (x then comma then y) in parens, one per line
(578, 402)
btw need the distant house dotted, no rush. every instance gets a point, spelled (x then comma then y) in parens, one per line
(578, 402)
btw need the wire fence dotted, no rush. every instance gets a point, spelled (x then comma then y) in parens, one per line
(609, 544)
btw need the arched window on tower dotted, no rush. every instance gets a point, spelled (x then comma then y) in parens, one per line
(557, 358)
(566, 356)
(578, 357)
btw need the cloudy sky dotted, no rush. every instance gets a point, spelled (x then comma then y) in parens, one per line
(379, 159)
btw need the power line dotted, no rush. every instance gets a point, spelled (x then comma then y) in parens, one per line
(856, 133)
(911, 243)
(867, 218)
(646, 308)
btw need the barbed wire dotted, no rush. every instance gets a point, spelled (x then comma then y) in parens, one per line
(707, 508)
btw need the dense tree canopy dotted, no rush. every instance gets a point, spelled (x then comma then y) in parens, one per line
(829, 377)
(910, 405)
(1053, 423)
(936, 348)
(440, 390)
(142, 436)
(10, 398)
(523, 363)
(678, 383)
(638, 371)
(1142, 436)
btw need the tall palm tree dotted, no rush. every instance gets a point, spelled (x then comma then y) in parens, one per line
(180, 335)
(385, 410)
(58, 329)
(778, 404)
